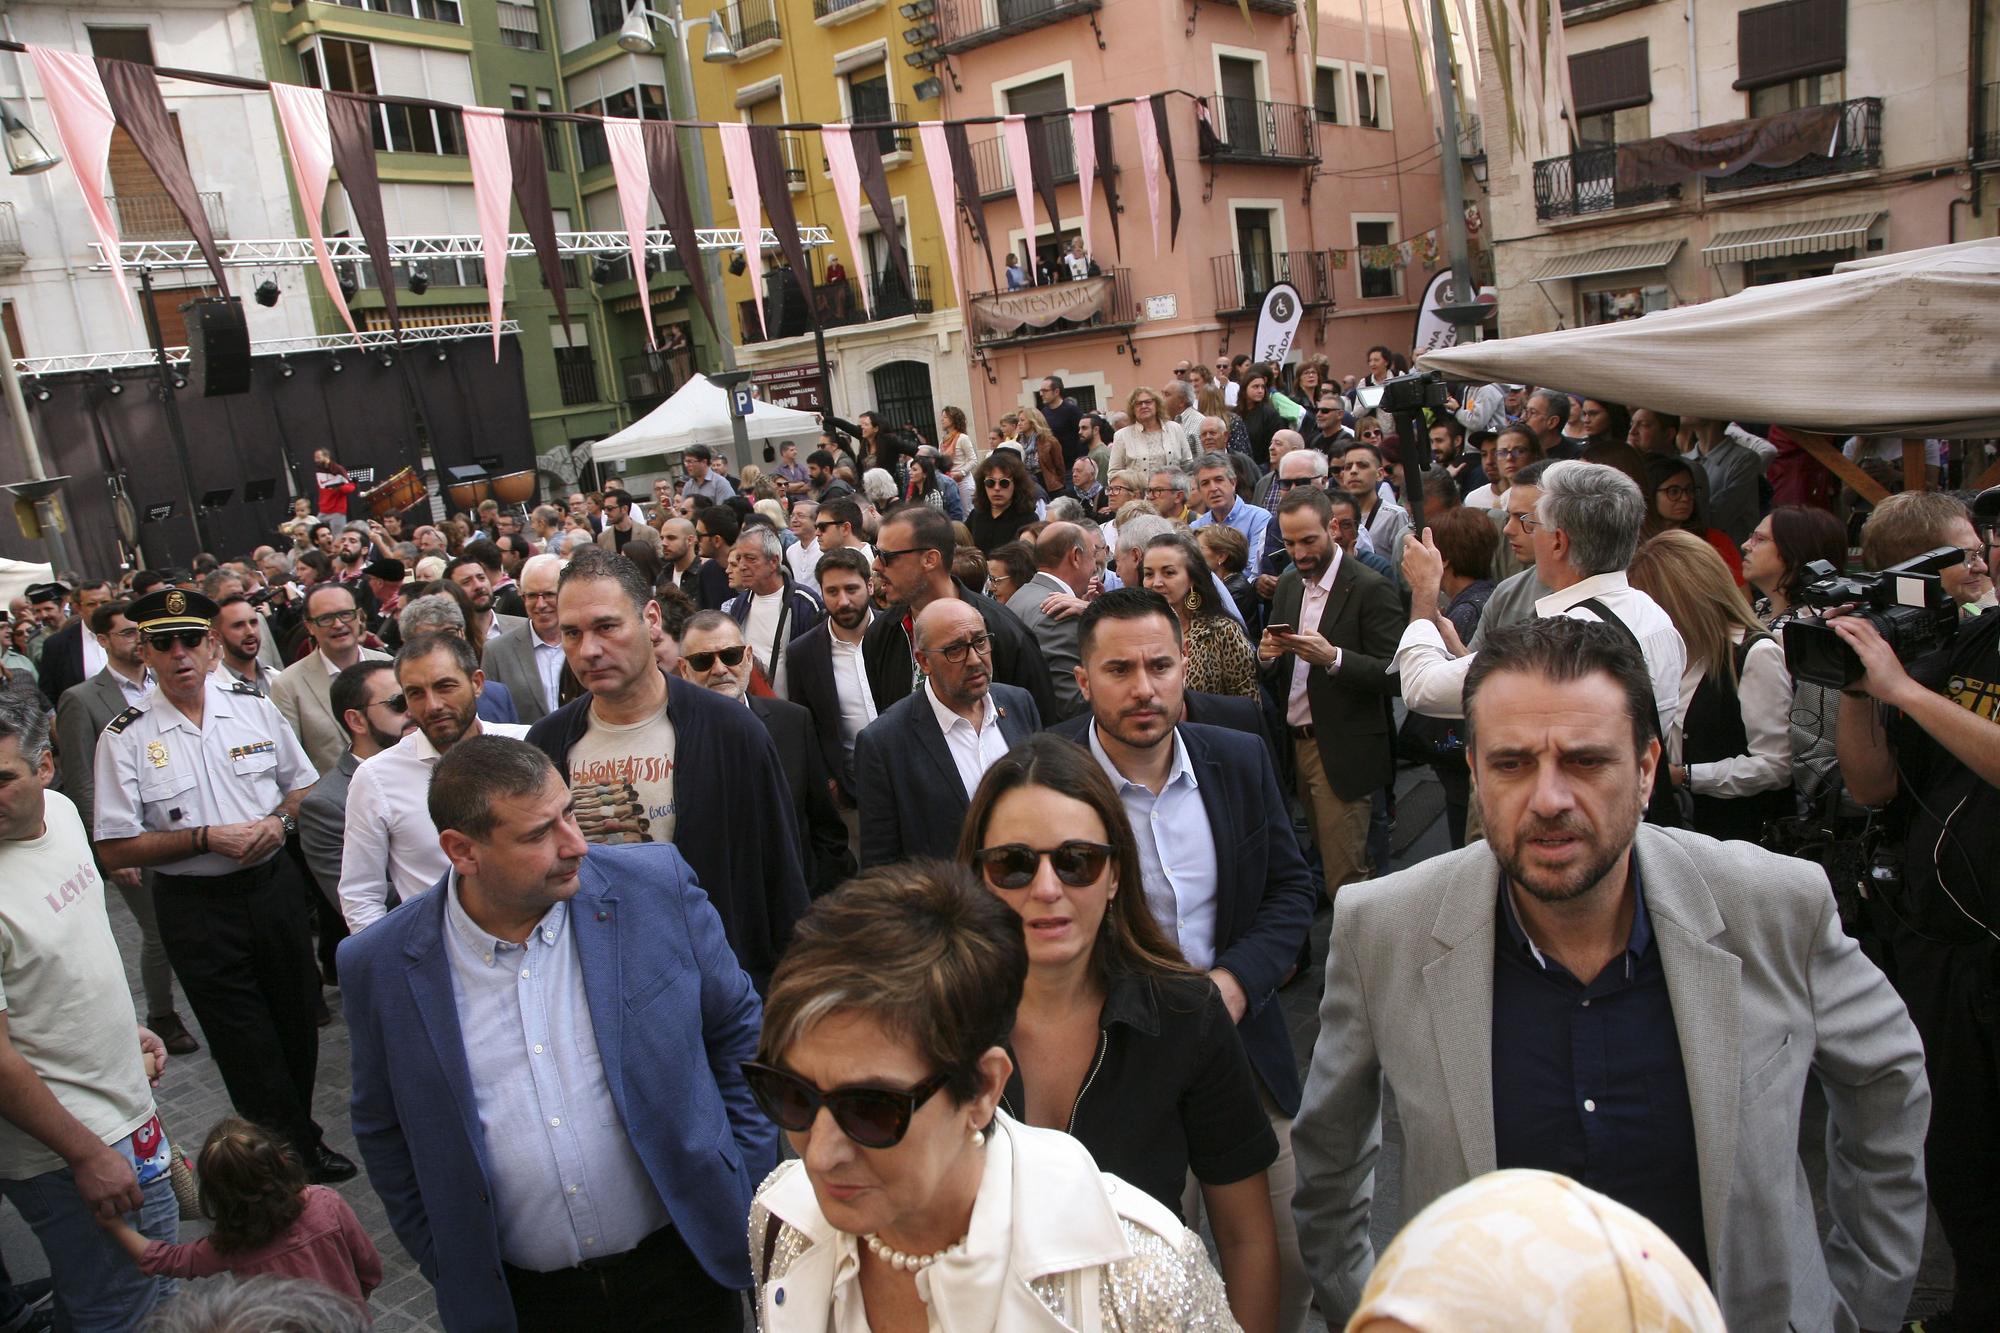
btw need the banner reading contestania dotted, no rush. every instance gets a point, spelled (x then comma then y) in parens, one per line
(1007, 313)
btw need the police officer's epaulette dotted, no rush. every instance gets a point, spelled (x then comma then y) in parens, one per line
(124, 720)
(244, 687)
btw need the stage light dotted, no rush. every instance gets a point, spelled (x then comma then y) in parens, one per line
(284, 368)
(921, 34)
(915, 59)
(41, 392)
(348, 287)
(337, 366)
(180, 380)
(420, 280)
(603, 270)
(386, 358)
(111, 384)
(267, 293)
(918, 9)
(928, 90)
(737, 264)
(442, 355)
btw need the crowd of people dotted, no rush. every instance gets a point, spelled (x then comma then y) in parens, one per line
(865, 881)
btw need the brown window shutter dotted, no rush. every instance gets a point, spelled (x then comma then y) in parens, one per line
(1775, 43)
(1611, 78)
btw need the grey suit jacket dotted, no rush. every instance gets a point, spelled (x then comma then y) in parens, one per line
(1765, 989)
(323, 825)
(1057, 640)
(81, 716)
(303, 693)
(510, 659)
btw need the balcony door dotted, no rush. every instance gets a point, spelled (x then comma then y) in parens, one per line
(1256, 254)
(1039, 98)
(1238, 79)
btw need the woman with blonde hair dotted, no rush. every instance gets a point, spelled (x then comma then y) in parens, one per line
(1152, 441)
(1732, 747)
(1044, 452)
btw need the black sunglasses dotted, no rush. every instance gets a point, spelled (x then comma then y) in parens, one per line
(1012, 865)
(395, 703)
(163, 641)
(872, 1117)
(731, 657)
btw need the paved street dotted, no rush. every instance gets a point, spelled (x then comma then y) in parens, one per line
(191, 1099)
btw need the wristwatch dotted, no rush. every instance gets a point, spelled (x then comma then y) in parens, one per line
(290, 822)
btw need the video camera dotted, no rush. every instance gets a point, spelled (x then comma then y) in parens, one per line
(1906, 603)
(1413, 393)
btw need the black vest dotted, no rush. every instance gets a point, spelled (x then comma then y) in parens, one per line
(1713, 730)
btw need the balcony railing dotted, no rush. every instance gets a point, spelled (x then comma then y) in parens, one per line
(1248, 130)
(995, 171)
(839, 303)
(1587, 182)
(1123, 314)
(11, 250)
(1242, 281)
(153, 217)
(964, 24)
(649, 379)
(1857, 146)
(750, 22)
(892, 139)
(1987, 142)
(822, 8)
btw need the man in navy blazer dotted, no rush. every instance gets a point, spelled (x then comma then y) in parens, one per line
(916, 766)
(528, 1132)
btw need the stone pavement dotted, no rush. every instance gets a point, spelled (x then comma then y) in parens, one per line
(191, 1099)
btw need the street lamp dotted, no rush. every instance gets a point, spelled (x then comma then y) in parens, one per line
(26, 154)
(637, 34)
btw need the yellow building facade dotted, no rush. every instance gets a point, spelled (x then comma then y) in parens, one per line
(895, 346)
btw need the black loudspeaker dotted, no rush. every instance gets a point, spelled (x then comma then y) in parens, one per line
(218, 346)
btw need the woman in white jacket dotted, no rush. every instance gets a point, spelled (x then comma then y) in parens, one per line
(916, 1206)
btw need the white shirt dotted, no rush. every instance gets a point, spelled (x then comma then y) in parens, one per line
(548, 665)
(1764, 694)
(761, 632)
(803, 557)
(850, 683)
(391, 842)
(1176, 850)
(1434, 680)
(135, 690)
(1298, 708)
(93, 653)
(973, 749)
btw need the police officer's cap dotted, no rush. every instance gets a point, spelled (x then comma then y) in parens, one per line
(166, 609)
(46, 592)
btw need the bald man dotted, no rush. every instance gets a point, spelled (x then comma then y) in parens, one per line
(915, 766)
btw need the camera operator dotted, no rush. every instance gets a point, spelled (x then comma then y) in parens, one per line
(1926, 741)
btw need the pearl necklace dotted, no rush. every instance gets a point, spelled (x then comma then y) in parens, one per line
(910, 1263)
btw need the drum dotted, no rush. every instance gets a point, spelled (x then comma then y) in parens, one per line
(514, 488)
(466, 495)
(395, 495)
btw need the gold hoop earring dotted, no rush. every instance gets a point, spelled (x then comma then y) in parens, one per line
(1193, 602)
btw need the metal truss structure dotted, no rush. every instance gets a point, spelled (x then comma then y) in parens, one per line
(370, 340)
(298, 250)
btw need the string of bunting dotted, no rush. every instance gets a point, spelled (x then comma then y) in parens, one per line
(1419, 249)
(327, 132)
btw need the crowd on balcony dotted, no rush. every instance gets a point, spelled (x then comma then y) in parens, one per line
(952, 802)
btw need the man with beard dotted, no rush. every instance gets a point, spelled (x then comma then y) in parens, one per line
(239, 638)
(350, 554)
(392, 850)
(483, 622)
(1633, 1007)
(501, 559)
(371, 706)
(714, 655)
(829, 675)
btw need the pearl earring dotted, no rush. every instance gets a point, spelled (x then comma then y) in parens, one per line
(978, 1137)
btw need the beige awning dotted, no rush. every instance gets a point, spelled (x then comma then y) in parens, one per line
(1811, 237)
(1611, 259)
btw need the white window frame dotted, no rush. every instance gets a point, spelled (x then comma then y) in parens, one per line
(1395, 221)
(1343, 92)
(879, 46)
(1384, 107)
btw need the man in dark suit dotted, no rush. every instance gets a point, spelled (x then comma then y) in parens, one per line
(913, 554)
(627, 1007)
(1334, 628)
(1221, 869)
(658, 760)
(715, 657)
(826, 673)
(72, 654)
(916, 766)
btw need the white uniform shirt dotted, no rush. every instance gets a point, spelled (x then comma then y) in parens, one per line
(158, 772)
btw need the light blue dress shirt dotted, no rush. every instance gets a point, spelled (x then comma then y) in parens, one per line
(567, 1184)
(1176, 851)
(1248, 519)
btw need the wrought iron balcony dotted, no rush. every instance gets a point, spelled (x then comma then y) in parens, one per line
(1857, 146)
(1121, 313)
(894, 139)
(965, 24)
(995, 172)
(793, 149)
(750, 22)
(1242, 281)
(153, 217)
(1587, 182)
(839, 303)
(1271, 133)
(12, 253)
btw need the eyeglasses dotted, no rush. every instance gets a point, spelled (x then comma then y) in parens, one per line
(1323, 411)
(1516, 452)
(998, 484)
(395, 703)
(955, 652)
(1676, 492)
(1012, 865)
(1161, 490)
(332, 618)
(1529, 523)
(872, 1117)
(126, 635)
(1974, 555)
(703, 662)
(538, 597)
(163, 641)
(1286, 483)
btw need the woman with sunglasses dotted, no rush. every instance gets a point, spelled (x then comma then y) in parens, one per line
(916, 1202)
(1004, 502)
(1674, 500)
(1118, 1041)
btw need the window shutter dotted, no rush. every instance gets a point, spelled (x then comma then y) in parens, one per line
(1611, 78)
(1776, 43)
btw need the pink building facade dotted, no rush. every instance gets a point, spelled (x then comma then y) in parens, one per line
(1312, 158)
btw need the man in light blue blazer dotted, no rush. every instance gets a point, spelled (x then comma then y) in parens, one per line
(546, 1068)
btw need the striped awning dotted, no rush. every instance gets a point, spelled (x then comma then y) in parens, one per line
(1810, 237)
(1611, 259)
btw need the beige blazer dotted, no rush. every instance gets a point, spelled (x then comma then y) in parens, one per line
(1765, 987)
(303, 693)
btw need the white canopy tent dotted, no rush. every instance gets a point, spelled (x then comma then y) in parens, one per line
(17, 575)
(1899, 345)
(698, 413)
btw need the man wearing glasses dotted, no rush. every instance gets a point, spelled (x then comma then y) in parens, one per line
(917, 765)
(202, 782)
(371, 707)
(528, 658)
(303, 691)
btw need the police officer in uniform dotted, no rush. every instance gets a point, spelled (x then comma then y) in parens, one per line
(201, 781)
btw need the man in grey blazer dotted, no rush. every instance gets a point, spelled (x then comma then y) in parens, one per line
(1064, 563)
(528, 659)
(303, 691)
(1635, 1007)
